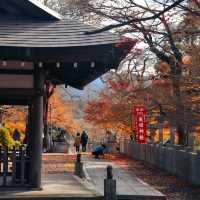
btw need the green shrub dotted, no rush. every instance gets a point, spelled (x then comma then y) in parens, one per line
(6, 140)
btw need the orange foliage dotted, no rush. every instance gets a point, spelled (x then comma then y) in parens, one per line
(187, 60)
(15, 118)
(164, 68)
(113, 109)
(62, 114)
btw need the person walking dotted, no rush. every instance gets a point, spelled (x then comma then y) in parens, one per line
(84, 141)
(77, 142)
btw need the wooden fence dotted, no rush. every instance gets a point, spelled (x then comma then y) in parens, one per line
(14, 167)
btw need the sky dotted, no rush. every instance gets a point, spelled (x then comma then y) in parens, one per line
(89, 92)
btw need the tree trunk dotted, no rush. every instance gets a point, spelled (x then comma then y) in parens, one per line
(49, 90)
(181, 135)
(179, 106)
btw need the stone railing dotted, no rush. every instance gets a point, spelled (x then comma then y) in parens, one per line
(174, 159)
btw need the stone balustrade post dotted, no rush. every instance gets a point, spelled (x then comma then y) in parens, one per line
(110, 185)
(79, 166)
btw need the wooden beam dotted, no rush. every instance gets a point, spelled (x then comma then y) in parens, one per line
(22, 102)
(14, 93)
(68, 54)
(15, 71)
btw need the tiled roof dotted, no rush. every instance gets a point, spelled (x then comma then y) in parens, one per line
(61, 33)
(27, 23)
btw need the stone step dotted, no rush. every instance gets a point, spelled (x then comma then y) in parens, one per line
(120, 197)
(140, 197)
(52, 198)
(47, 157)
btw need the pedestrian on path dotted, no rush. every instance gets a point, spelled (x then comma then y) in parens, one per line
(84, 141)
(99, 150)
(132, 137)
(77, 142)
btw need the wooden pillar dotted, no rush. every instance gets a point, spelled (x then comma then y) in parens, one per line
(29, 129)
(37, 129)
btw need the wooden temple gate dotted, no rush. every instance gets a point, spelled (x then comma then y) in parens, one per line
(39, 46)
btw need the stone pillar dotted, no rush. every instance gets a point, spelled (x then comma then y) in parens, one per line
(79, 166)
(172, 135)
(160, 128)
(110, 186)
(37, 129)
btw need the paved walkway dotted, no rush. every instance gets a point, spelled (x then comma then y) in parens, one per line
(58, 182)
(64, 185)
(128, 186)
(55, 186)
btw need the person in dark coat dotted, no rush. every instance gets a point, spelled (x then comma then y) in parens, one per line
(131, 137)
(84, 141)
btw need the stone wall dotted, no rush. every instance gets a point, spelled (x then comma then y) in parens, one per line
(173, 159)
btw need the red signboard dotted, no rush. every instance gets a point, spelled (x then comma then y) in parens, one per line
(140, 123)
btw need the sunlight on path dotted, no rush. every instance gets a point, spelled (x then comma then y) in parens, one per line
(127, 185)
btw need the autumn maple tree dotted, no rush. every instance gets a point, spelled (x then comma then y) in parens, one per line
(113, 109)
(62, 112)
(162, 27)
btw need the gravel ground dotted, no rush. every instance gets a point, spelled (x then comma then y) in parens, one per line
(172, 187)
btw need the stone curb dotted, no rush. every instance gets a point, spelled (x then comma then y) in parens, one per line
(87, 181)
